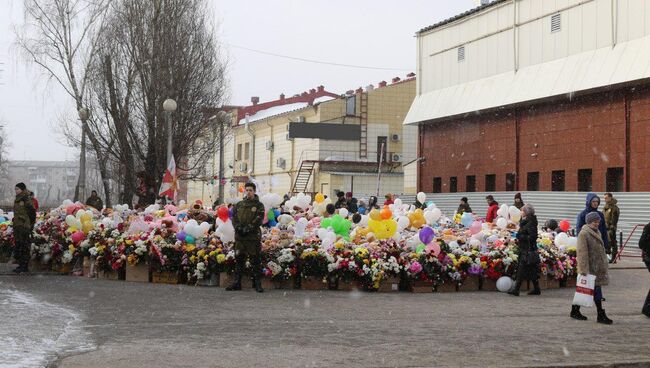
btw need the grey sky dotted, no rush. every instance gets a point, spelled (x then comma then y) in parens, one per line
(374, 33)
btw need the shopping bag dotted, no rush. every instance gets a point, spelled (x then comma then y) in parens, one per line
(584, 295)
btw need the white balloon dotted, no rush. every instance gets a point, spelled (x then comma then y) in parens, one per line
(436, 214)
(421, 197)
(402, 223)
(572, 242)
(398, 202)
(504, 283)
(502, 223)
(475, 243)
(344, 212)
(561, 239)
(321, 233)
(364, 220)
(397, 236)
(429, 216)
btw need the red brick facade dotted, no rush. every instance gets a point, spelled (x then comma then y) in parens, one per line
(589, 132)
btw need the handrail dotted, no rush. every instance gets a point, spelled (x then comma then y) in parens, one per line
(620, 251)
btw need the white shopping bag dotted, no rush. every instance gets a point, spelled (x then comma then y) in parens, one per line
(584, 296)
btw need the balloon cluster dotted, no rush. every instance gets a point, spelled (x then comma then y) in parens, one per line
(80, 224)
(507, 214)
(192, 231)
(382, 224)
(301, 201)
(339, 225)
(320, 204)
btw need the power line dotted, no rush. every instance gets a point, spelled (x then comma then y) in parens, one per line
(315, 61)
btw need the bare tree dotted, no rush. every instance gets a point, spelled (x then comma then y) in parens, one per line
(60, 36)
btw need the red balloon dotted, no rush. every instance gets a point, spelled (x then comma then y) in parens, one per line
(565, 225)
(222, 212)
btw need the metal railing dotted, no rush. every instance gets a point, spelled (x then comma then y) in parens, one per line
(347, 156)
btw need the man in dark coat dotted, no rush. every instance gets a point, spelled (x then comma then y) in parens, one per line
(464, 206)
(527, 257)
(611, 213)
(644, 244)
(94, 201)
(23, 221)
(593, 201)
(247, 218)
(341, 202)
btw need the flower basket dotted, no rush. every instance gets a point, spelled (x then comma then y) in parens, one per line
(62, 268)
(226, 279)
(548, 283)
(313, 283)
(165, 277)
(486, 284)
(283, 284)
(108, 275)
(471, 283)
(448, 287)
(36, 266)
(137, 273)
(342, 285)
(389, 285)
(213, 280)
(421, 286)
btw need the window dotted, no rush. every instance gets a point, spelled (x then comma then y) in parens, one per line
(556, 23)
(557, 181)
(584, 180)
(461, 54)
(437, 185)
(614, 180)
(247, 149)
(470, 183)
(490, 183)
(453, 184)
(510, 182)
(533, 181)
(351, 105)
(239, 147)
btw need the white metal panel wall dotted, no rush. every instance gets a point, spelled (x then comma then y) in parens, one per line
(635, 207)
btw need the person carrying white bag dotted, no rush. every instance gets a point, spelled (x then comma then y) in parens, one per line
(592, 267)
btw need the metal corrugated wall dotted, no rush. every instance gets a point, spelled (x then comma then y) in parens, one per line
(635, 207)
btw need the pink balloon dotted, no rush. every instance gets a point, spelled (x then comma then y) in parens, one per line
(475, 228)
(433, 248)
(78, 237)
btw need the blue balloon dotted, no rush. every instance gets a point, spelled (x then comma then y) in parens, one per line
(2, 219)
(272, 223)
(362, 210)
(277, 213)
(189, 239)
(467, 219)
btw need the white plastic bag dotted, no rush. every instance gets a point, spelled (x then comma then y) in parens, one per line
(584, 295)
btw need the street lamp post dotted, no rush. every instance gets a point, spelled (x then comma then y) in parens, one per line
(81, 191)
(169, 106)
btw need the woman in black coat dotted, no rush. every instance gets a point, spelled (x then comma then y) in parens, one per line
(527, 257)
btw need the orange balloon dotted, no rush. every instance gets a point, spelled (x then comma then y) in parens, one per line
(386, 214)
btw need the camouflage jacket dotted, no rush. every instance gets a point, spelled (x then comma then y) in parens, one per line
(246, 219)
(23, 210)
(611, 213)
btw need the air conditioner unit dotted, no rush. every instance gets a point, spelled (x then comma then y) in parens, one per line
(243, 166)
(395, 137)
(281, 163)
(289, 137)
(269, 145)
(396, 157)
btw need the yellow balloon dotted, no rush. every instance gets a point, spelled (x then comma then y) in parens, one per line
(383, 229)
(72, 229)
(320, 198)
(86, 217)
(87, 227)
(417, 219)
(375, 215)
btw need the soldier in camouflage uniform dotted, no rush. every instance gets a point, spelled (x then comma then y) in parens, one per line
(246, 219)
(23, 221)
(612, 213)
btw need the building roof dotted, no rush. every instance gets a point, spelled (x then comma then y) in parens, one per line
(62, 164)
(592, 70)
(461, 16)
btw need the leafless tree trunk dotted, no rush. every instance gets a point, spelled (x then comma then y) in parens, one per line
(60, 37)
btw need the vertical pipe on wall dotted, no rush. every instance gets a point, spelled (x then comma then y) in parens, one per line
(515, 46)
(517, 148)
(628, 150)
(419, 162)
(614, 14)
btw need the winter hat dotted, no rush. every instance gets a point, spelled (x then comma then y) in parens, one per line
(21, 186)
(591, 217)
(518, 195)
(464, 199)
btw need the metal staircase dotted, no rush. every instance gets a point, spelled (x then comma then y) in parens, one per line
(302, 178)
(363, 123)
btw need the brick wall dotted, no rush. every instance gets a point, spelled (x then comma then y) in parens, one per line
(580, 133)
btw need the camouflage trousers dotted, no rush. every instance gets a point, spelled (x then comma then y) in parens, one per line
(613, 243)
(22, 248)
